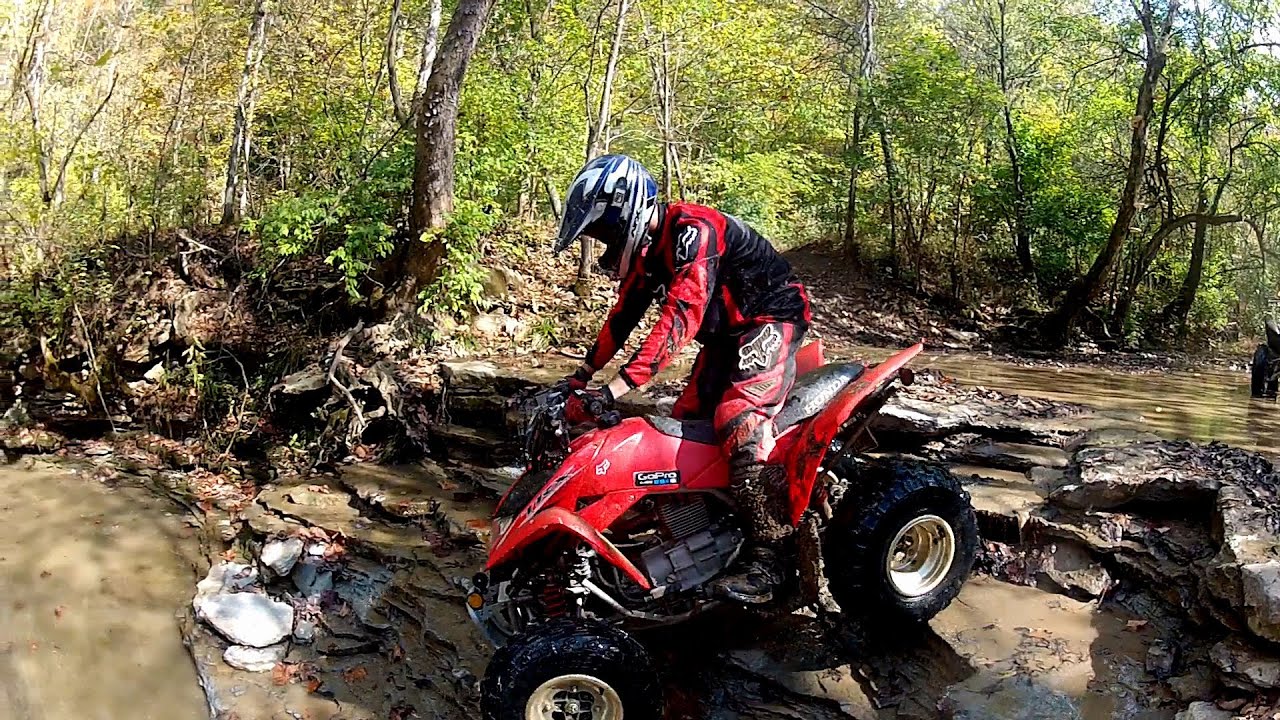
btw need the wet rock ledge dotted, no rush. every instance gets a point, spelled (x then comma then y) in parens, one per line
(1126, 577)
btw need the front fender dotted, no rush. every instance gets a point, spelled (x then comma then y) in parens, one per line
(554, 521)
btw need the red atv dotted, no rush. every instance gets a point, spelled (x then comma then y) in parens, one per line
(625, 525)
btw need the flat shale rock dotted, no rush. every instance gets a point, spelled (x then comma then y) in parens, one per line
(1107, 478)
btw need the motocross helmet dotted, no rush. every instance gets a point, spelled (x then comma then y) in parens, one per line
(611, 200)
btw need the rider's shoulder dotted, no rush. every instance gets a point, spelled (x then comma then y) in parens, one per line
(685, 212)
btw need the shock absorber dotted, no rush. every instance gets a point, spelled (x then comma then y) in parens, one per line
(555, 601)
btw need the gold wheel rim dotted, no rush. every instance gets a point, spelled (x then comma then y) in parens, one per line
(920, 556)
(574, 697)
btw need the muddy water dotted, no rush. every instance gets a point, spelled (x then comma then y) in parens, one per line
(1087, 654)
(90, 579)
(1210, 405)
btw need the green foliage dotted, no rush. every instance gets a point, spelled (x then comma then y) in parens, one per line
(747, 106)
(459, 283)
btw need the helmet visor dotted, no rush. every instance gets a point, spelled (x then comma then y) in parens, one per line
(578, 213)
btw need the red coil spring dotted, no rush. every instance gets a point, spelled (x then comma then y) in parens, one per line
(555, 601)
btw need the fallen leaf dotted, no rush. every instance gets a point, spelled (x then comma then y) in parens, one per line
(229, 554)
(281, 673)
(313, 685)
(355, 674)
(397, 652)
(1135, 625)
(320, 489)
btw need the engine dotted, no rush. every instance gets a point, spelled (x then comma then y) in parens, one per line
(695, 548)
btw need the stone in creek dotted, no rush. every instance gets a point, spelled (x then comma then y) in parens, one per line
(224, 578)
(1262, 598)
(311, 580)
(280, 555)
(1012, 698)
(1246, 667)
(248, 618)
(1107, 478)
(254, 659)
(1204, 711)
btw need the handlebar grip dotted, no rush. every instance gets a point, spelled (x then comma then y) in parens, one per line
(595, 406)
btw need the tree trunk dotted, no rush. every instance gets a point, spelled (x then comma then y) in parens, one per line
(866, 38)
(1176, 312)
(553, 197)
(1058, 325)
(237, 153)
(33, 76)
(598, 131)
(391, 53)
(891, 175)
(1021, 230)
(430, 40)
(434, 147)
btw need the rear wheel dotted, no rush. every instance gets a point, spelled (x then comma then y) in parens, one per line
(571, 670)
(902, 542)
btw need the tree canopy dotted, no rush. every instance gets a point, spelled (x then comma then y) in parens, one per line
(1110, 165)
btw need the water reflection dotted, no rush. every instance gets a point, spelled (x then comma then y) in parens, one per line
(1204, 406)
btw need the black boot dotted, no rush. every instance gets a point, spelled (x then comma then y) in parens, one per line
(761, 504)
(752, 579)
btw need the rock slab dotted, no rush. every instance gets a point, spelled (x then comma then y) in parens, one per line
(280, 555)
(247, 618)
(1204, 711)
(1016, 697)
(1153, 472)
(1262, 598)
(252, 659)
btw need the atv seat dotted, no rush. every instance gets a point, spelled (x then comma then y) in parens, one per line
(815, 390)
(811, 392)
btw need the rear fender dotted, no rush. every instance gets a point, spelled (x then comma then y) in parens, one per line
(815, 435)
(558, 521)
(810, 357)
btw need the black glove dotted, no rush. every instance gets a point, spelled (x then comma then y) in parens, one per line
(579, 379)
(588, 404)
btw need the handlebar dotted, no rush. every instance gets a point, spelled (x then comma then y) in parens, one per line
(542, 423)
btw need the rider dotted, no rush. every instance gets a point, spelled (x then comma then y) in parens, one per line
(716, 281)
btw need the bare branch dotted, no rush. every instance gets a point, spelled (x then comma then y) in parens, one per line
(66, 159)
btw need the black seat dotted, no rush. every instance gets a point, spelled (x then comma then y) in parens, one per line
(699, 431)
(814, 390)
(811, 392)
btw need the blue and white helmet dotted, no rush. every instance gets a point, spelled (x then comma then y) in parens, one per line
(611, 200)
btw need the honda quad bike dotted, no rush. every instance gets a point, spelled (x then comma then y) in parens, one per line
(1264, 371)
(624, 527)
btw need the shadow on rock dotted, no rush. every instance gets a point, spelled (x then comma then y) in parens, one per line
(739, 664)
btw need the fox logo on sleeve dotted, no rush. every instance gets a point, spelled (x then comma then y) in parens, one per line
(761, 352)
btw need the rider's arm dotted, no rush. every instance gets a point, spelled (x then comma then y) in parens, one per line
(633, 299)
(695, 258)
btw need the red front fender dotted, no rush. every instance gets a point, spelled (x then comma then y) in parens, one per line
(558, 520)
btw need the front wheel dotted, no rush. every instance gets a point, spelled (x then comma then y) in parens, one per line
(571, 670)
(902, 542)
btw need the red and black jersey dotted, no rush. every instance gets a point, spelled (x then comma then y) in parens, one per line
(712, 275)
